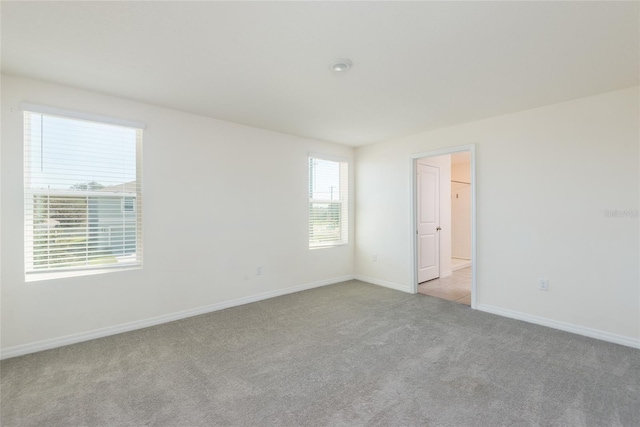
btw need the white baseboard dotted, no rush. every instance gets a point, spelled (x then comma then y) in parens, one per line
(23, 349)
(461, 266)
(384, 283)
(563, 326)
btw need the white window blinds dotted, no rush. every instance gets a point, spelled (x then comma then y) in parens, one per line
(82, 194)
(328, 202)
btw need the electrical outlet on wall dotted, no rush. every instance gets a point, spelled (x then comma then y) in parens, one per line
(543, 284)
(258, 270)
(374, 258)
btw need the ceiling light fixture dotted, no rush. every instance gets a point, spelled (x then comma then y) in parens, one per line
(341, 65)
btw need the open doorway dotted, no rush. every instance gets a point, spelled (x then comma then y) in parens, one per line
(443, 228)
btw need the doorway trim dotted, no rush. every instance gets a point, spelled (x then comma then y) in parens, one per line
(413, 208)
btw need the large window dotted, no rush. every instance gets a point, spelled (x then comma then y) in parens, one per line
(82, 194)
(328, 202)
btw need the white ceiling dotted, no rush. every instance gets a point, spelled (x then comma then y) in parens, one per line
(416, 65)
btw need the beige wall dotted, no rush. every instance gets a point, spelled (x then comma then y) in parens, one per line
(461, 220)
(461, 206)
(545, 179)
(461, 171)
(219, 200)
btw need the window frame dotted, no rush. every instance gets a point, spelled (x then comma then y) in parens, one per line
(343, 200)
(29, 249)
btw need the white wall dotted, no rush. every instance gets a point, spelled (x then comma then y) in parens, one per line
(219, 199)
(544, 180)
(443, 163)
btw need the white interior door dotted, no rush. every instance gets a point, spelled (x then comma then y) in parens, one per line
(428, 201)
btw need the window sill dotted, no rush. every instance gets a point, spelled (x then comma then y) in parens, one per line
(328, 245)
(51, 275)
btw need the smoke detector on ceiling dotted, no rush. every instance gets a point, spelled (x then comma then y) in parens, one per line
(341, 65)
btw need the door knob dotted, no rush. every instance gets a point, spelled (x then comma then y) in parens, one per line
(438, 229)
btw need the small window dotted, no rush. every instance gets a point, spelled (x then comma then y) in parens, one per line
(127, 204)
(328, 202)
(82, 195)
